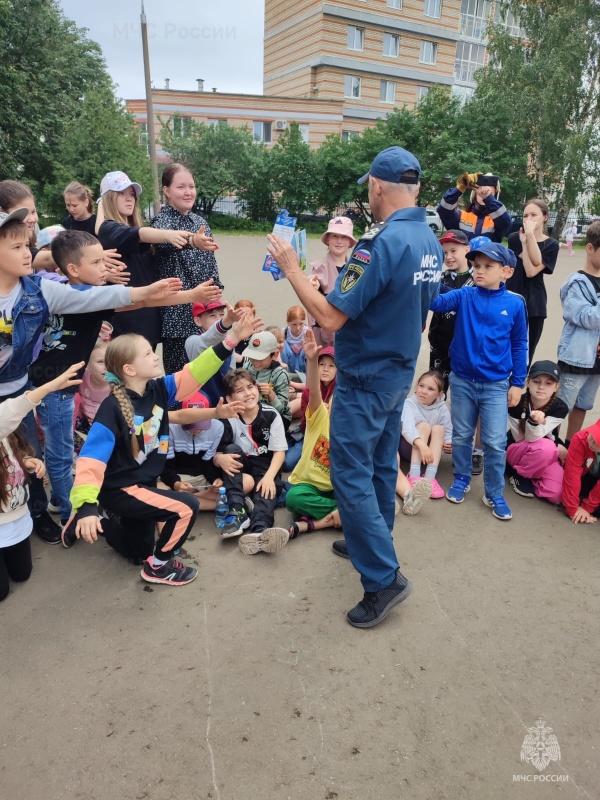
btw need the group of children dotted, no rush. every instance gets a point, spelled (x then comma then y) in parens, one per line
(253, 404)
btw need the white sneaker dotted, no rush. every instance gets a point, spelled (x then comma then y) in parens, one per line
(268, 541)
(53, 508)
(415, 499)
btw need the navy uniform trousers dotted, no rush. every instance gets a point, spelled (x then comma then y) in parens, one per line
(364, 436)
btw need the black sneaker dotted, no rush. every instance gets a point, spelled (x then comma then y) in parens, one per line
(375, 606)
(46, 528)
(68, 536)
(522, 486)
(236, 523)
(477, 464)
(340, 549)
(173, 573)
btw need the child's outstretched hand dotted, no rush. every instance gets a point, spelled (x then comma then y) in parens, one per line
(310, 346)
(232, 315)
(160, 290)
(206, 292)
(202, 241)
(248, 325)
(68, 378)
(228, 410)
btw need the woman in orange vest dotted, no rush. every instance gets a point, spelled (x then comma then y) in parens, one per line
(485, 214)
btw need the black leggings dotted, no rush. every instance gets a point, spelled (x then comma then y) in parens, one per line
(15, 563)
(535, 326)
(139, 508)
(263, 514)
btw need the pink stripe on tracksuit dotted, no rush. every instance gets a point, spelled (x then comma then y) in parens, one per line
(539, 462)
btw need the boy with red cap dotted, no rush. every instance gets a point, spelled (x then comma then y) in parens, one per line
(581, 486)
(458, 273)
(214, 321)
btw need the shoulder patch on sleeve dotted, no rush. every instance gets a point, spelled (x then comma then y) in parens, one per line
(361, 254)
(374, 231)
(354, 273)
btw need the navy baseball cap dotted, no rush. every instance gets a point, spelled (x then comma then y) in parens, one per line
(497, 252)
(390, 164)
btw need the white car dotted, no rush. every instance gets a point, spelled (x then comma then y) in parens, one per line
(433, 220)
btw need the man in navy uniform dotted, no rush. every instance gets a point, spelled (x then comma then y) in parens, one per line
(378, 309)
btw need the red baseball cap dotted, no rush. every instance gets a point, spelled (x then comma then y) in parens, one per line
(327, 351)
(197, 400)
(458, 237)
(201, 308)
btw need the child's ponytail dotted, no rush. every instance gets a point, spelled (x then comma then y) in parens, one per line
(20, 449)
(118, 392)
(119, 352)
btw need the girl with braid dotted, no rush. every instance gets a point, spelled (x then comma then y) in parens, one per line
(533, 452)
(125, 453)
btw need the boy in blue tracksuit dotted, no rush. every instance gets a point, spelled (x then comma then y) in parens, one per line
(488, 360)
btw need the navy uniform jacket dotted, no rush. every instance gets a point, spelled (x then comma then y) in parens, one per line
(385, 289)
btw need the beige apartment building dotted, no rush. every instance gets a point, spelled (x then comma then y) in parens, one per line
(336, 67)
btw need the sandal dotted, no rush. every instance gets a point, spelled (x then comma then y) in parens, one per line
(294, 528)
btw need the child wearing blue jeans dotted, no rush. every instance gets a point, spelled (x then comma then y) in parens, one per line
(488, 361)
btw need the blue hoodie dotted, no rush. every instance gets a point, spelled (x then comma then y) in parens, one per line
(490, 338)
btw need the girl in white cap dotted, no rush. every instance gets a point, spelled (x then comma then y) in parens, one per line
(119, 225)
(339, 238)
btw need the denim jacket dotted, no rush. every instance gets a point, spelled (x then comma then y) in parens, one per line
(30, 314)
(581, 312)
(38, 299)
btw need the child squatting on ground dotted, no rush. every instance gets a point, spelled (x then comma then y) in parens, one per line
(532, 453)
(488, 358)
(426, 430)
(125, 453)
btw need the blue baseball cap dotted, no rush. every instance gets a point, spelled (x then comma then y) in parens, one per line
(390, 164)
(477, 241)
(497, 252)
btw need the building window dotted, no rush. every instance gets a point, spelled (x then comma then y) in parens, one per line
(463, 93)
(391, 45)
(510, 22)
(347, 136)
(182, 126)
(213, 122)
(303, 126)
(387, 91)
(262, 131)
(356, 38)
(469, 58)
(474, 16)
(397, 4)
(428, 53)
(351, 87)
(422, 91)
(433, 8)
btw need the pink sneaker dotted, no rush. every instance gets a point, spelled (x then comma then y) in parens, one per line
(412, 481)
(436, 490)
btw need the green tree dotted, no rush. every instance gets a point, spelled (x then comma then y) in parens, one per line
(218, 156)
(102, 137)
(294, 172)
(256, 190)
(48, 64)
(549, 86)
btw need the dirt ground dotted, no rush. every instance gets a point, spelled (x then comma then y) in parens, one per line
(249, 684)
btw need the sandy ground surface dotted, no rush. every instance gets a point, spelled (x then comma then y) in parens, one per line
(249, 684)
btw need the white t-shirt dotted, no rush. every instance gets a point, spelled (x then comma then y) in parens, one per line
(7, 303)
(15, 531)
